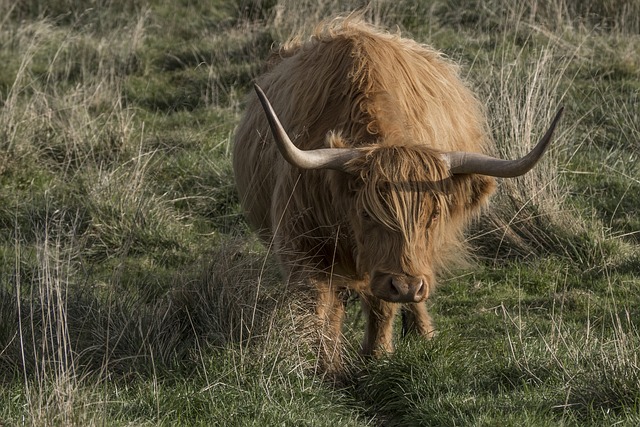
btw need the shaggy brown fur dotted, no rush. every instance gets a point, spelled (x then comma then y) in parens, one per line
(396, 215)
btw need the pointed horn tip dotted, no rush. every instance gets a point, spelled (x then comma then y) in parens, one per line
(557, 117)
(560, 111)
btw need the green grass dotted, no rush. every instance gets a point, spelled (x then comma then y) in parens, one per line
(133, 293)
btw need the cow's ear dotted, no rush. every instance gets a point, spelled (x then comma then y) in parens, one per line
(482, 187)
(470, 193)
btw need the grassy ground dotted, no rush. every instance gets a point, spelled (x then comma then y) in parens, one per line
(132, 292)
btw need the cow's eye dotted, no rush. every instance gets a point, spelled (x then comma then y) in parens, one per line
(435, 215)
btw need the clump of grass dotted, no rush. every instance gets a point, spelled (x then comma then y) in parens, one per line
(57, 122)
(232, 299)
(528, 212)
(593, 366)
(41, 348)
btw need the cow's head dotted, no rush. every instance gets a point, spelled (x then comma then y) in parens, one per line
(403, 199)
(399, 202)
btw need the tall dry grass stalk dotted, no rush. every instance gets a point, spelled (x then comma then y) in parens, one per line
(522, 94)
(62, 106)
(47, 345)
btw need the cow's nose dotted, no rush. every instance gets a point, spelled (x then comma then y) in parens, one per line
(406, 289)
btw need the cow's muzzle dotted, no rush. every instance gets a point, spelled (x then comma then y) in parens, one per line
(399, 288)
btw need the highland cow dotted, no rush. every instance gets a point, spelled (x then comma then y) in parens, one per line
(361, 160)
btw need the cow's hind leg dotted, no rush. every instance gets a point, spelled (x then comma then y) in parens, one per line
(378, 334)
(416, 319)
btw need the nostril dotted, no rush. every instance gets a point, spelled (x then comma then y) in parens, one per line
(420, 289)
(393, 287)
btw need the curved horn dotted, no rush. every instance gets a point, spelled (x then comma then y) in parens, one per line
(461, 162)
(322, 158)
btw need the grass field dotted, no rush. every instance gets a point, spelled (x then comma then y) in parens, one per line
(133, 293)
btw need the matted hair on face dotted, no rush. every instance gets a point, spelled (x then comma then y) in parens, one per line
(402, 187)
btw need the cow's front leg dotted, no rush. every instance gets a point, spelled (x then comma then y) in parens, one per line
(330, 315)
(416, 319)
(378, 334)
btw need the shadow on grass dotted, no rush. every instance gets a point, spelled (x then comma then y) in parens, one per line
(134, 322)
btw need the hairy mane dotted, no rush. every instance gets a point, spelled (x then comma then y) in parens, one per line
(387, 88)
(354, 85)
